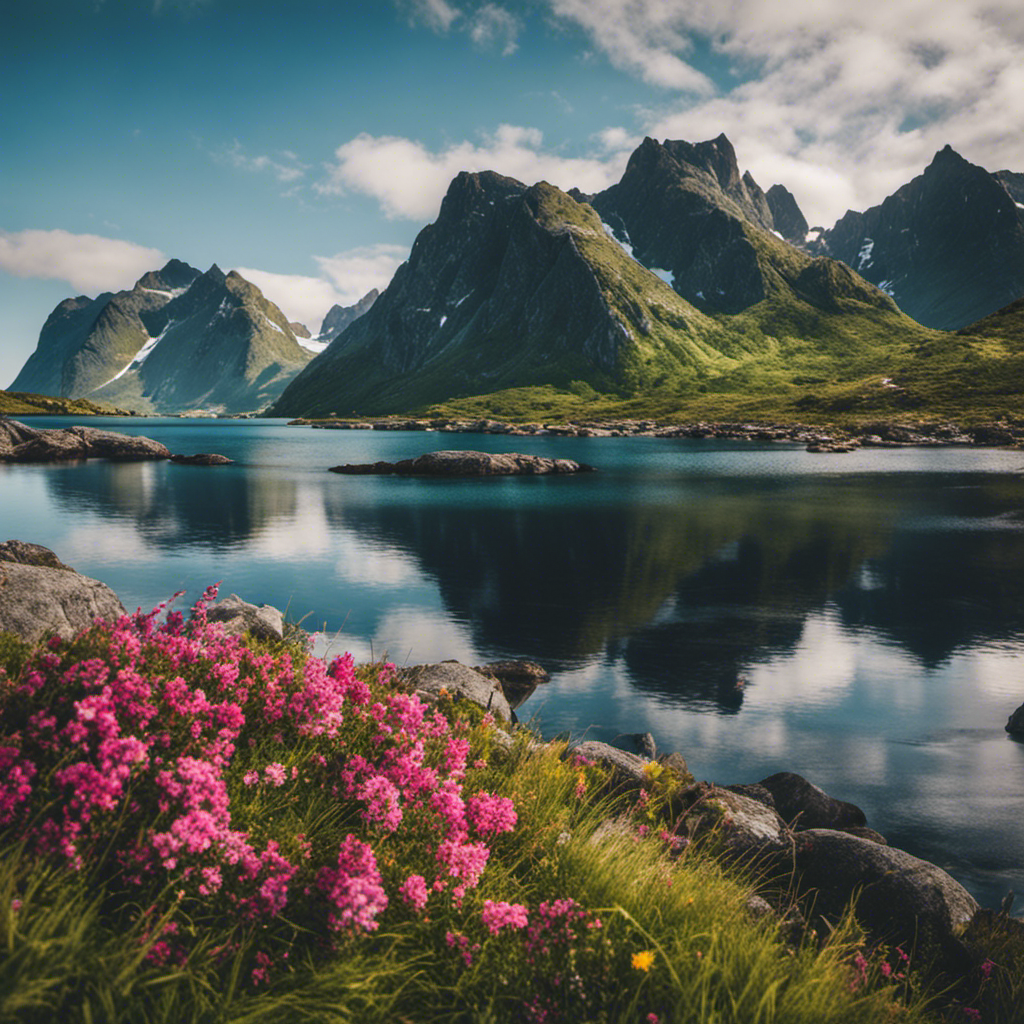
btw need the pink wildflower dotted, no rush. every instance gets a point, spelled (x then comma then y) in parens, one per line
(414, 891)
(498, 915)
(491, 814)
(353, 889)
(274, 773)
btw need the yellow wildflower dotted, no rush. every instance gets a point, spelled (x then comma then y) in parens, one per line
(643, 960)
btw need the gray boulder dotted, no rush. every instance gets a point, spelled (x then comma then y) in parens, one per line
(39, 595)
(13, 433)
(518, 678)
(900, 898)
(1015, 723)
(107, 444)
(240, 617)
(627, 770)
(746, 829)
(804, 805)
(458, 680)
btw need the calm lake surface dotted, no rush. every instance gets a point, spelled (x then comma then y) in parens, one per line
(856, 618)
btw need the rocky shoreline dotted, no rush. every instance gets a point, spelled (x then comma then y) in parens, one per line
(875, 434)
(801, 839)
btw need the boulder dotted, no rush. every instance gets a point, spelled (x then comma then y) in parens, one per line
(1015, 723)
(467, 463)
(30, 554)
(804, 805)
(518, 678)
(40, 595)
(460, 681)
(107, 444)
(627, 770)
(900, 898)
(240, 617)
(746, 828)
(19, 443)
(202, 459)
(13, 433)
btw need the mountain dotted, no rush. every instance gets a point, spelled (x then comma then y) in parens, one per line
(339, 317)
(517, 287)
(179, 340)
(688, 215)
(787, 218)
(948, 246)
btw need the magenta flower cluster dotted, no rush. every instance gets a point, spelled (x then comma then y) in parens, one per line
(129, 749)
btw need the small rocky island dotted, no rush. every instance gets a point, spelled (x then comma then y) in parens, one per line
(460, 463)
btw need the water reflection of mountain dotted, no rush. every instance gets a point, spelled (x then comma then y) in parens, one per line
(690, 595)
(173, 507)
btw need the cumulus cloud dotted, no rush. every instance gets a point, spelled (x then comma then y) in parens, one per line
(89, 263)
(409, 180)
(840, 102)
(346, 278)
(494, 26)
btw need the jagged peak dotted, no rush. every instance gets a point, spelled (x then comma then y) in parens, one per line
(947, 157)
(215, 274)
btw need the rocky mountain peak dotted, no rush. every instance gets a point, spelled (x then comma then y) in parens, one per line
(787, 217)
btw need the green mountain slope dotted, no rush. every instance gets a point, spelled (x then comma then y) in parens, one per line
(516, 288)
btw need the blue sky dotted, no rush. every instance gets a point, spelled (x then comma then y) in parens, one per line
(306, 143)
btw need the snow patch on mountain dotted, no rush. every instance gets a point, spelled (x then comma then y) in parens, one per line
(313, 344)
(140, 356)
(864, 256)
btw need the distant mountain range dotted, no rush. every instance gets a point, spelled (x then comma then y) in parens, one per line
(179, 340)
(684, 285)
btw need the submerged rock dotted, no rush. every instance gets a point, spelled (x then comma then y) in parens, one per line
(202, 459)
(40, 595)
(468, 463)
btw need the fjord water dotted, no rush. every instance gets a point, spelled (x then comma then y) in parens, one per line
(856, 618)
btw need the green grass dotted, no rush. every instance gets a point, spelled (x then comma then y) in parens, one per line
(20, 403)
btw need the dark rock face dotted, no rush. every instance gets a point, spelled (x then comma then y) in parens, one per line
(746, 828)
(787, 217)
(948, 246)
(684, 207)
(901, 898)
(73, 443)
(804, 805)
(179, 340)
(339, 317)
(202, 459)
(518, 679)
(460, 682)
(39, 595)
(458, 463)
(1015, 723)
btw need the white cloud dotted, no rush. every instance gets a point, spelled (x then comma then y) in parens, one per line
(435, 14)
(346, 278)
(409, 180)
(494, 26)
(840, 102)
(357, 271)
(286, 167)
(90, 263)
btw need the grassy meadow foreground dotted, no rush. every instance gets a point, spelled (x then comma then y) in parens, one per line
(198, 827)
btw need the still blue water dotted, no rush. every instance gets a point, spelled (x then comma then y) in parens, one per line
(856, 618)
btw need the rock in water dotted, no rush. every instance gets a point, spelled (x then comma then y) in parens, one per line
(900, 898)
(466, 463)
(40, 595)
(1015, 723)
(803, 805)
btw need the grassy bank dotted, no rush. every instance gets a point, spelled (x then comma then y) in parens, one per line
(201, 828)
